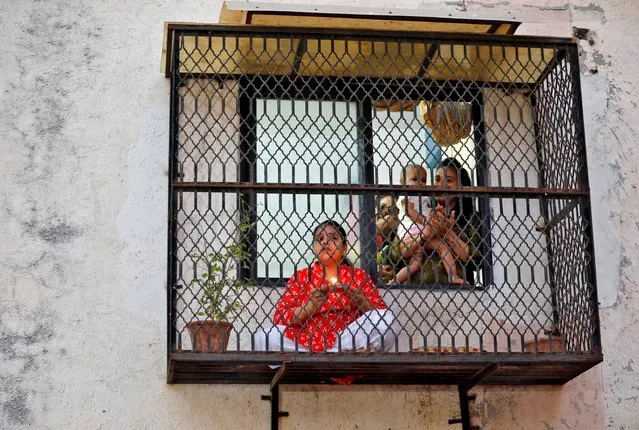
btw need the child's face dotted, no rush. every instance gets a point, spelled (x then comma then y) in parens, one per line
(416, 176)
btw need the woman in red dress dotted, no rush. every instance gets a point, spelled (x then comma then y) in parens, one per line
(330, 306)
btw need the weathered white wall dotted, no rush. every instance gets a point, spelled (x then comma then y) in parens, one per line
(84, 126)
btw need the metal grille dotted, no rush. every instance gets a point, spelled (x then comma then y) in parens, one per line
(275, 131)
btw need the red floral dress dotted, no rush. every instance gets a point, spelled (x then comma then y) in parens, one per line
(335, 314)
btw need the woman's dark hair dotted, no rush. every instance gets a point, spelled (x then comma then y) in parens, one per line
(337, 226)
(463, 207)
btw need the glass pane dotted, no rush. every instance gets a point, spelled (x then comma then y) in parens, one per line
(307, 141)
(303, 142)
(285, 229)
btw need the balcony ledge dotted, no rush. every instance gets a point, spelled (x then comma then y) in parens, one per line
(380, 369)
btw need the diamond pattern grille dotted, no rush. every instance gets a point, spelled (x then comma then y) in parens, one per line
(274, 133)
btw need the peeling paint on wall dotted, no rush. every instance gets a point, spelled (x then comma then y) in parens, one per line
(23, 351)
(592, 7)
(542, 8)
(52, 230)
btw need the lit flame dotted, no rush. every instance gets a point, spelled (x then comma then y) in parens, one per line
(333, 280)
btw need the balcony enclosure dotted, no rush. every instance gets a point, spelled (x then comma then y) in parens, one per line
(275, 130)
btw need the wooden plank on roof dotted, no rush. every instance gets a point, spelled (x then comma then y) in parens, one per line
(421, 19)
(232, 16)
(364, 23)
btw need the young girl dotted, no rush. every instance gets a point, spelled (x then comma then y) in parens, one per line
(331, 306)
(414, 223)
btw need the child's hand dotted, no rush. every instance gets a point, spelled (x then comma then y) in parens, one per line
(410, 207)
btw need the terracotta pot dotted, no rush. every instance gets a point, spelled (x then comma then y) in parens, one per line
(546, 344)
(209, 335)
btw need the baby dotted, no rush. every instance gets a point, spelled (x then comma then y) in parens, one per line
(414, 226)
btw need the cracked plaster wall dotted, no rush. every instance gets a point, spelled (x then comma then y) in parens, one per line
(83, 120)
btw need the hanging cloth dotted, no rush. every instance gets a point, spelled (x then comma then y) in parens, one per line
(434, 153)
(394, 105)
(449, 122)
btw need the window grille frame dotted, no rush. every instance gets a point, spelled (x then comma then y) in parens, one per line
(299, 88)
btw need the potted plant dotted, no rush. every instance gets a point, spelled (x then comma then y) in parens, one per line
(552, 341)
(219, 289)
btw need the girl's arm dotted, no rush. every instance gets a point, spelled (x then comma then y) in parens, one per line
(444, 227)
(287, 308)
(457, 246)
(409, 247)
(302, 313)
(363, 293)
(414, 214)
(432, 225)
(372, 292)
(468, 240)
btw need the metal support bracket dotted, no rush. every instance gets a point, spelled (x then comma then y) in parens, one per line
(463, 389)
(464, 397)
(274, 398)
(546, 227)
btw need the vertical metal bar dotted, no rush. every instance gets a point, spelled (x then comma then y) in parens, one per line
(275, 406)
(463, 405)
(543, 205)
(368, 247)
(481, 165)
(247, 206)
(173, 175)
(586, 213)
(299, 54)
(428, 59)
